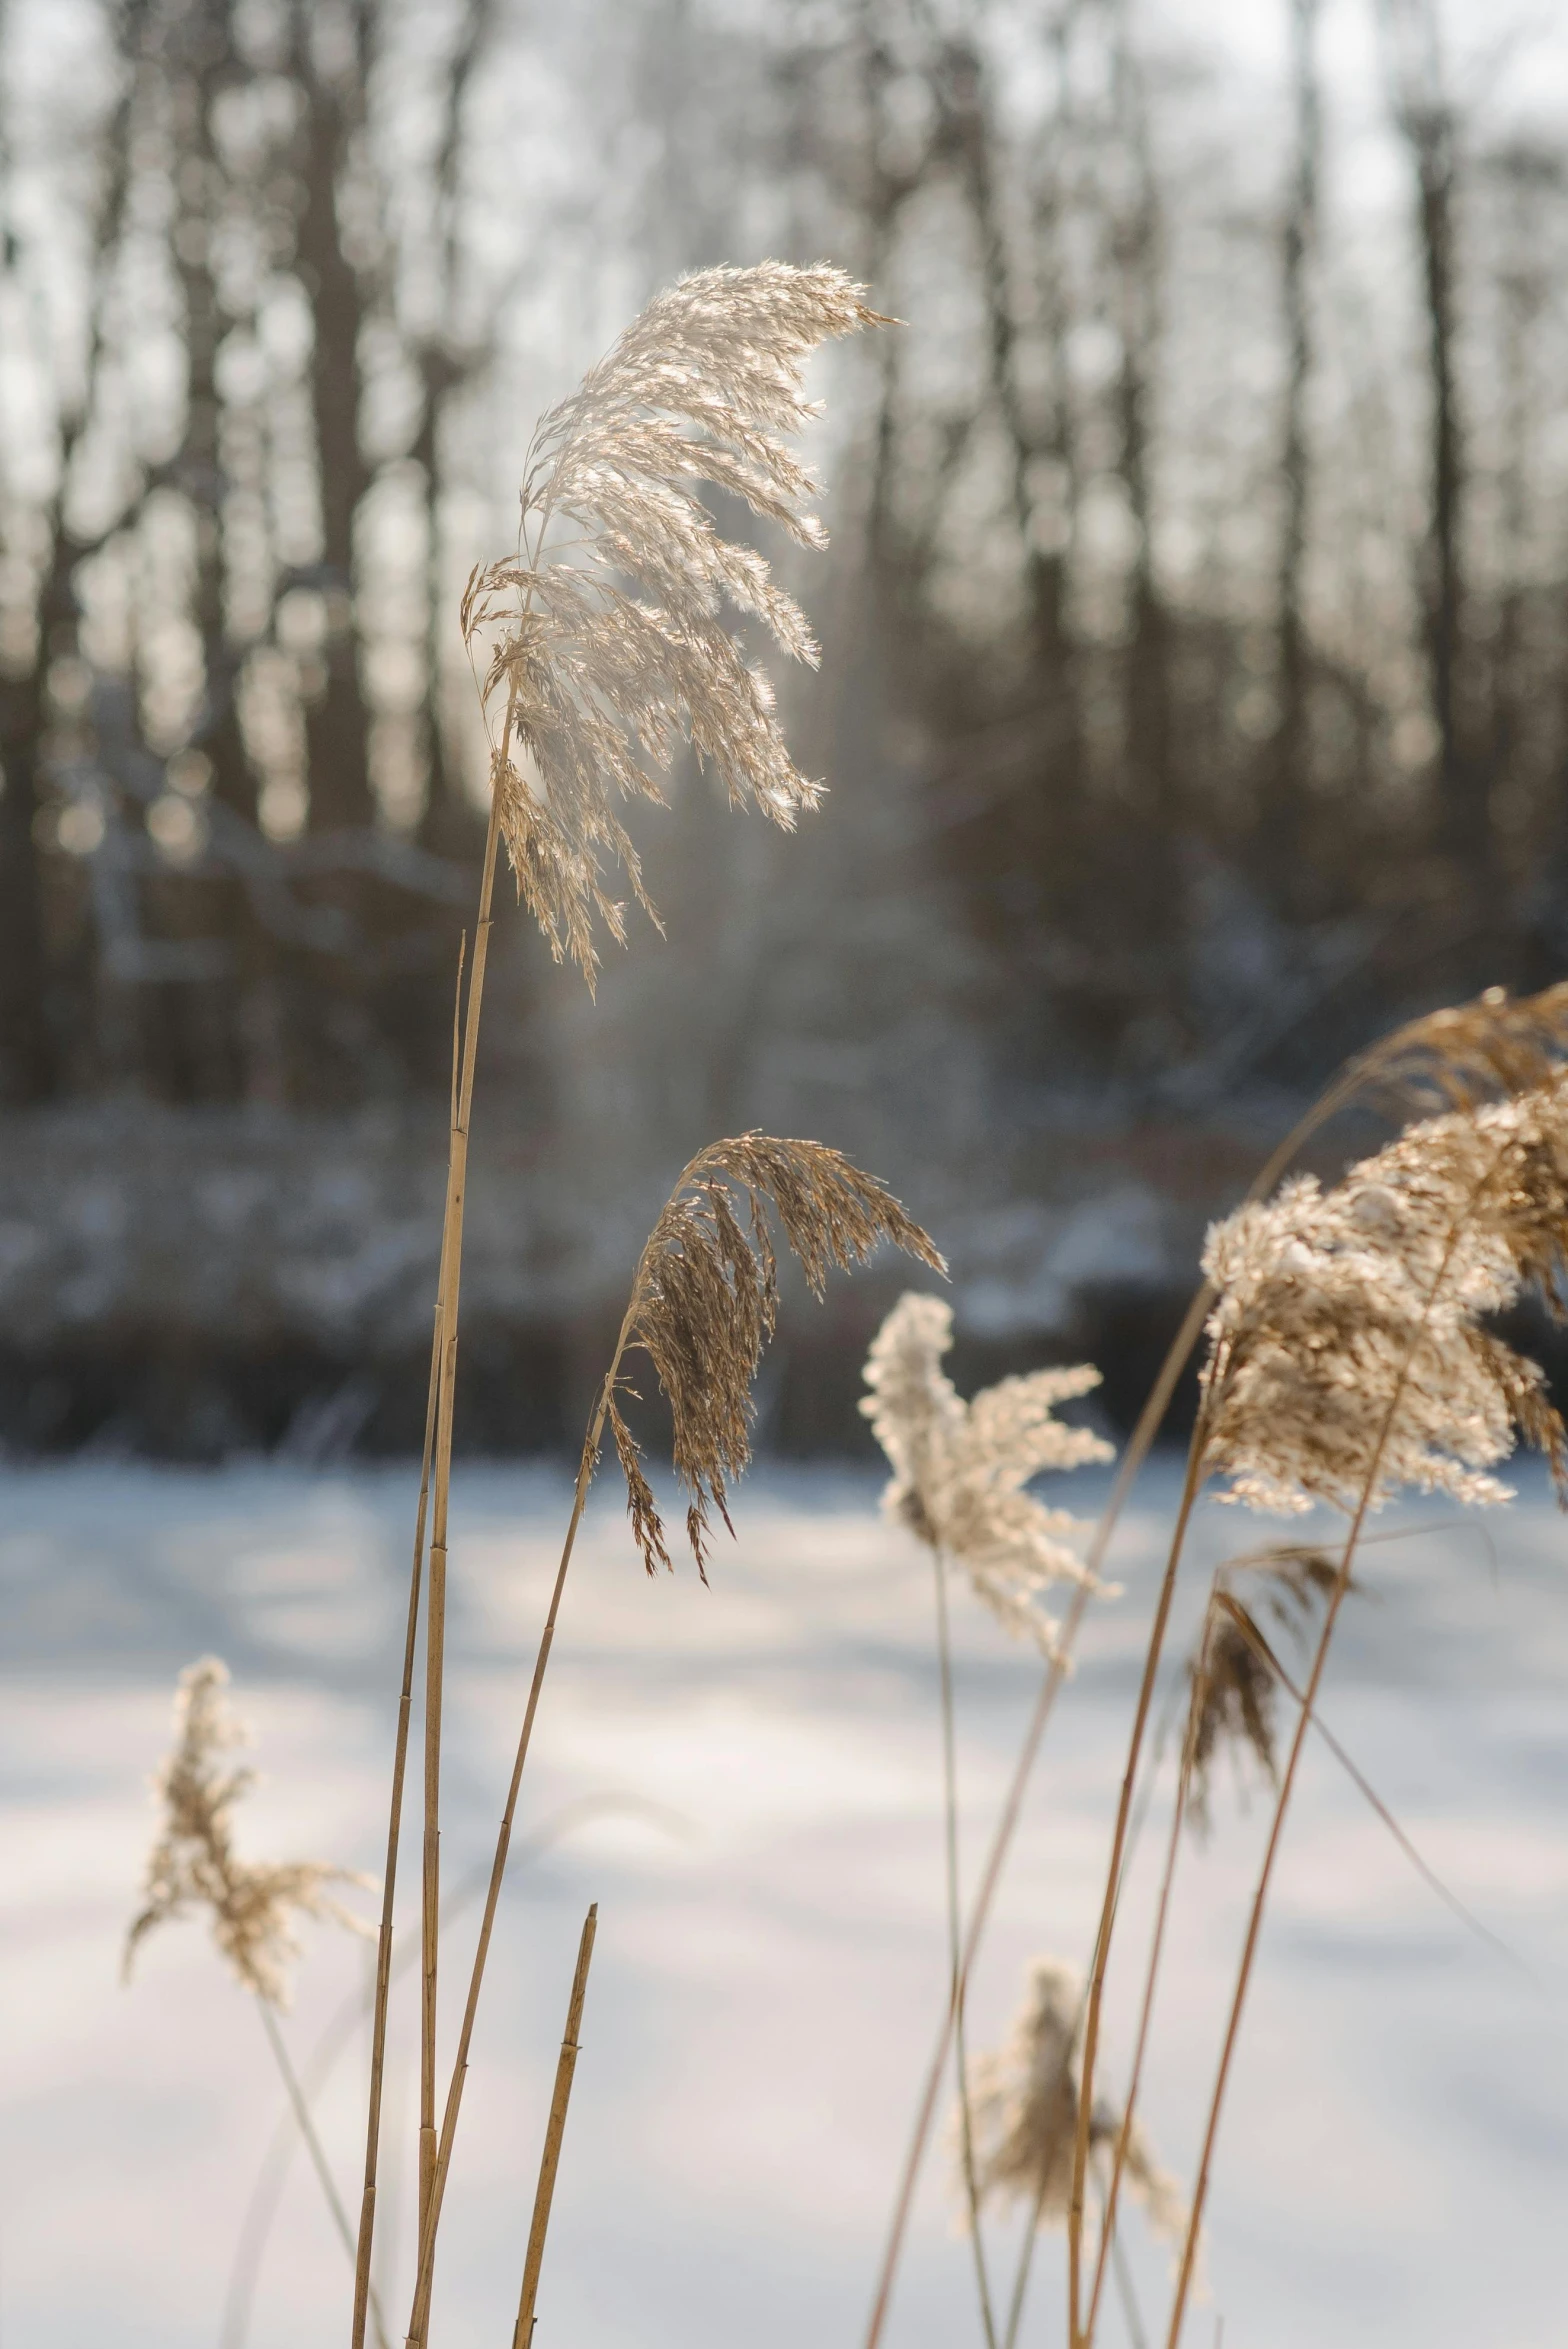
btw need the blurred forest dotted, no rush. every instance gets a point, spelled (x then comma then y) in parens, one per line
(1196, 691)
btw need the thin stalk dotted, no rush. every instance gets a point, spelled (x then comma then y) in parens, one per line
(944, 1651)
(1364, 1786)
(1113, 1882)
(555, 2130)
(435, 1621)
(1288, 1781)
(1108, 2243)
(1015, 2308)
(1136, 2335)
(262, 2209)
(378, 2029)
(424, 2282)
(307, 2129)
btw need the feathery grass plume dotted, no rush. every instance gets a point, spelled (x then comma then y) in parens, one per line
(193, 1864)
(959, 1469)
(1490, 1048)
(1234, 1690)
(1337, 1307)
(1026, 2112)
(608, 641)
(705, 1296)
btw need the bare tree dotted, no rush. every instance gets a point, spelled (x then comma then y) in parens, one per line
(1427, 122)
(1288, 771)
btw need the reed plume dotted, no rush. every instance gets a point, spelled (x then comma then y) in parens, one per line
(1233, 1687)
(705, 1297)
(193, 1864)
(1466, 1054)
(960, 1469)
(606, 633)
(1026, 2112)
(1340, 1309)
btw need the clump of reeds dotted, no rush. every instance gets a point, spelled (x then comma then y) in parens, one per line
(1350, 1356)
(1353, 1352)
(601, 645)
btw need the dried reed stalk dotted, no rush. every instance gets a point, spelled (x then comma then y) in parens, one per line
(966, 2133)
(1226, 1704)
(448, 1289)
(378, 2030)
(701, 1308)
(605, 652)
(555, 2130)
(1490, 1048)
(358, 2009)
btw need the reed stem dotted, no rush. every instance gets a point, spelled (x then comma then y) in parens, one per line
(441, 1479)
(944, 1651)
(378, 2031)
(555, 2130)
(1113, 1883)
(424, 2281)
(1109, 2248)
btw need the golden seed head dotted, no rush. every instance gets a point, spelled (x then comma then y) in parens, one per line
(705, 1296)
(193, 1864)
(607, 640)
(1350, 1348)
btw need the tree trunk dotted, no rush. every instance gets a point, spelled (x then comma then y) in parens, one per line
(1283, 816)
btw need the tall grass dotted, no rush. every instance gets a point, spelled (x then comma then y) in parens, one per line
(599, 647)
(1350, 1347)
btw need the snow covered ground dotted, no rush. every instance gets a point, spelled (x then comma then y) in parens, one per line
(756, 1774)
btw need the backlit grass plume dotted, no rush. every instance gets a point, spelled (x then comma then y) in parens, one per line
(959, 1469)
(705, 1296)
(1233, 1685)
(193, 1864)
(1025, 2107)
(1342, 1310)
(1490, 1048)
(607, 633)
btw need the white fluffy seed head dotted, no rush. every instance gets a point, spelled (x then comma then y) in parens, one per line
(959, 1469)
